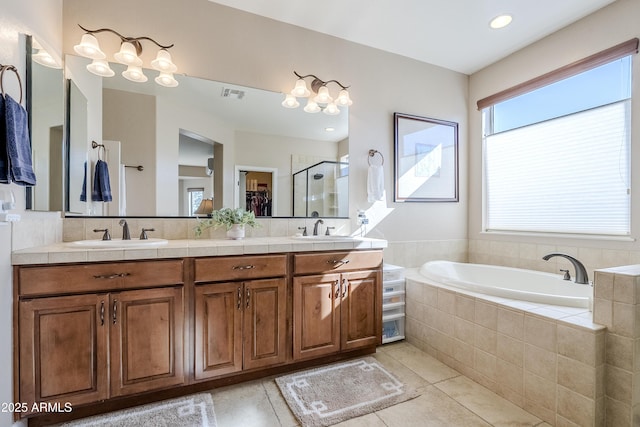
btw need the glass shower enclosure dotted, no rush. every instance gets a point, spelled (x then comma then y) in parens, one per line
(322, 190)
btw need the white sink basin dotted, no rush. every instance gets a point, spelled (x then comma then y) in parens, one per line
(324, 238)
(117, 243)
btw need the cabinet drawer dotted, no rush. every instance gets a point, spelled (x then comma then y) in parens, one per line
(239, 268)
(322, 262)
(35, 281)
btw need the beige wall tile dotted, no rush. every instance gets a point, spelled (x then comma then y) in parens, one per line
(511, 323)
(510, 350)
(603, 311)
(619, 351)
(485, 363)
(539, 332)
(617, 413)
(487, 315)
(541, 362)
(603, 285)
(444, 322)
(430, 296)
(464, 330)
(486, 339)
(463, 353)
(577, 376)
(510, 376)
(578, 344)
(624, 289)
(540, 391)
(619, 384)
(446, 301)
(465, 307)
(575, 407)
(624, 319)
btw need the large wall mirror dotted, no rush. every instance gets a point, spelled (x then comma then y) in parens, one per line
(167, 149)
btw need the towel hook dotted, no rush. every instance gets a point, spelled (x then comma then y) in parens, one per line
(372, 153)
(101, 149)
(15, 70)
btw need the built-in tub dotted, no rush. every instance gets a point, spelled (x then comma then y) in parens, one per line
(507, 282)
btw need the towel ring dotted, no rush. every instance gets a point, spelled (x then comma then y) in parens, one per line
(372, 153)
(101, 149)
(14, 69)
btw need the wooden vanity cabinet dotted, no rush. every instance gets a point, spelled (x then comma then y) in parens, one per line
(240, 314)
(111, 341)
(338, 309)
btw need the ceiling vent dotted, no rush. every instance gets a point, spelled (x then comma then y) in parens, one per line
(232, 93)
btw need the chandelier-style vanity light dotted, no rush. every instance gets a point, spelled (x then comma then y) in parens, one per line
(130, 49)
(322, 100)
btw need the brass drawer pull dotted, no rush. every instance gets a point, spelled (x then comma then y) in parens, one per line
(337, 285)
(243, 267)
(115, 311)
(111, 276)
(248, 297)
(239, 298)
(101, 313)
(345, 285)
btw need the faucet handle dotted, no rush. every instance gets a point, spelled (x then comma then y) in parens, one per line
(327, 232)
(143, 235)
(106, 235)
(567, 276)
(304, 230)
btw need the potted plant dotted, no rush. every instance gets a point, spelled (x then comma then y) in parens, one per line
(234, 220)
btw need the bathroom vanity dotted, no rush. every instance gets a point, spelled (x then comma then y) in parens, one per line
(103, 335)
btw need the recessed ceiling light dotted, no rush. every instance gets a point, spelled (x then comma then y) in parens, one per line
(500, 21)
(329, 129)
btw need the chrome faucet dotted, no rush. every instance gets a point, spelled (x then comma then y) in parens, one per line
(315, 226)
(581, 272)
(125, 230)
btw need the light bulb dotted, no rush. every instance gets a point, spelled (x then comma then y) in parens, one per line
(89, 47)
(290, 101)
(331, 109)
(128, 55)
(135, 74)
(100, 67)
(300, 90)
(343, 98)
(312, 106)
(323, 96)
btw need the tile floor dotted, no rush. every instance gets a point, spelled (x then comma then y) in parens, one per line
(447, 399)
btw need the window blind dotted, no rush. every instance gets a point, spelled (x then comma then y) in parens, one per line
(566, 175)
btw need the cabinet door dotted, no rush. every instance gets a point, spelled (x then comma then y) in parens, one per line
(146, 340)
(264, 321)
(218, 329)
(316, 315)
(63, 349)
(360, 309)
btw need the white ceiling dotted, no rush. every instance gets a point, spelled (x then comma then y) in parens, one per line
(453, 34)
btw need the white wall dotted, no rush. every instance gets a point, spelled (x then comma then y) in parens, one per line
(614, 24)
(223, 44)
(42, 19)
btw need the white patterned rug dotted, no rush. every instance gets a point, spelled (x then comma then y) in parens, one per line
(195, 410)
(334, 393)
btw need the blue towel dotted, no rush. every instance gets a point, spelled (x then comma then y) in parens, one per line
(4, 159)
(18, 144)
(83, 195)
(101, 186)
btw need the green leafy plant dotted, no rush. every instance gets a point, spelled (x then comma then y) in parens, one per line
(226, 217)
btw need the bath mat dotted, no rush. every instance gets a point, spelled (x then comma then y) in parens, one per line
(334, 393)
(195, 410)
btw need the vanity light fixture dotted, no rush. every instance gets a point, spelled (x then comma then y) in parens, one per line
(130, 49)
(318, 98)
(42, 57)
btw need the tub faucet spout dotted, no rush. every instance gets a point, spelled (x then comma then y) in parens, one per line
(581, 272)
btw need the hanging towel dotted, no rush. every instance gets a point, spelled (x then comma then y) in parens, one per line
(123, 191)
(4, 159)
(18, 144)
(83, 194)
(101, 186)
(375, 183)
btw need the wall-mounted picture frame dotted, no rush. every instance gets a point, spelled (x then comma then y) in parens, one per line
(426, 159)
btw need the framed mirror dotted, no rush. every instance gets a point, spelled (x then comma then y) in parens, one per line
(227, 125)
(426, 159)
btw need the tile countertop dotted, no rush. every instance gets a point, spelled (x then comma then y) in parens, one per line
(64, 253)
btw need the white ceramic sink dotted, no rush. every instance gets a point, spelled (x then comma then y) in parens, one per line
(117, 243)
(324, 238)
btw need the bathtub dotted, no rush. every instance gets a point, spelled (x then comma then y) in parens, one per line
(507, 282)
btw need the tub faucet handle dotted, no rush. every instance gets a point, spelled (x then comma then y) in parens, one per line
(567, 276)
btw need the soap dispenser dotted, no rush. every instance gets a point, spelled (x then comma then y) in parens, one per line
(7, 202)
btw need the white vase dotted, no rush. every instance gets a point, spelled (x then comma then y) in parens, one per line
(236, 232)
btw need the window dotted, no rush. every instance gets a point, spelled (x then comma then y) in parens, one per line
(557, 158)
(195, 197)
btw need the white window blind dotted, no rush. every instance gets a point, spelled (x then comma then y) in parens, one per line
(566, 175)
